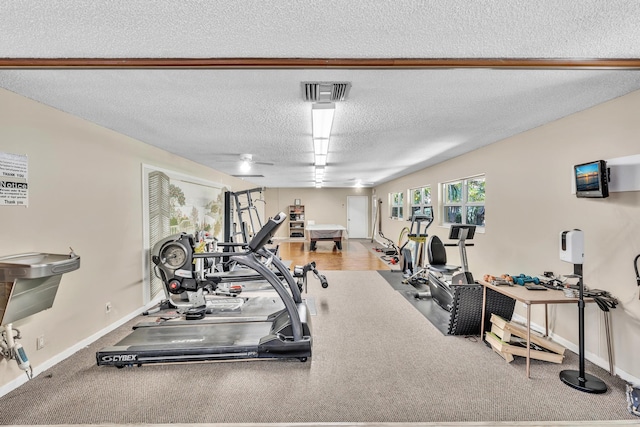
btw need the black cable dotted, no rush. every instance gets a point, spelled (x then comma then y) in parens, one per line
(603, 299)
(635, 265)
(601, 303)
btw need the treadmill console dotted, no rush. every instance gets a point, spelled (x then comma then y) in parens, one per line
(457, 231)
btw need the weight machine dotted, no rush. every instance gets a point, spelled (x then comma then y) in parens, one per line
(240, 203)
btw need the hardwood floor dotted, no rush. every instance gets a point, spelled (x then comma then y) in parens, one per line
(353, 256)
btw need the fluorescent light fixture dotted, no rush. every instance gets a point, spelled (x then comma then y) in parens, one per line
(322, 119)
(245, 166)
(321, 160)
(321, 122)
(321, 146)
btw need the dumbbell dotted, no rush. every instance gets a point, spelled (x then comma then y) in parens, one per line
(522, 279)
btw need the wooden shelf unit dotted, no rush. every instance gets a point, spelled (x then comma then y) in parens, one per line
(296, 221)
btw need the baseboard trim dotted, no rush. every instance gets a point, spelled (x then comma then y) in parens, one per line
(591, 357)
(37, 370)
(17, 382)
(384, 244)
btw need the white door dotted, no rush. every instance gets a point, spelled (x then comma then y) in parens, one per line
(357, 218)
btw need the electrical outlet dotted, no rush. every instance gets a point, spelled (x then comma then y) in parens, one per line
(107, 307)
(40, 342)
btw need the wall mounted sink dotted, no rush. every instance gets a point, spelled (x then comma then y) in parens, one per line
(29, 282)
(36, 264)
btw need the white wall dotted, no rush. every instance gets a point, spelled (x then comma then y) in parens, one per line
(322, 205)
(529, 202)
(85, 192)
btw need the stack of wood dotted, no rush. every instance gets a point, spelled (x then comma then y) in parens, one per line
(509, 339)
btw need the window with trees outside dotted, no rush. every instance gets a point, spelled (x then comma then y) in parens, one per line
(463, 201)
(396, 203)
(421, 200)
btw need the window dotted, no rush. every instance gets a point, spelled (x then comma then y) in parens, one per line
(396, 202)
(420, 200)
(463, 201)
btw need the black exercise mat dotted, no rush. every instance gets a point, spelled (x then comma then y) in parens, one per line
(426, 306)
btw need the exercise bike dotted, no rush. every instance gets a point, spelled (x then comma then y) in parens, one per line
(442, 276)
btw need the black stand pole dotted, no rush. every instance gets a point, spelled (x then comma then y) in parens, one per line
(579, 379)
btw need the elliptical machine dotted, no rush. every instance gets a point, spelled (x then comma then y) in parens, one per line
(443, 276)
(413, 265)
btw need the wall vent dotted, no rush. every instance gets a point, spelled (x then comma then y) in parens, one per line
(325, 91)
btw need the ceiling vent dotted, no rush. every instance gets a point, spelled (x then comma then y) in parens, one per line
(325, 91)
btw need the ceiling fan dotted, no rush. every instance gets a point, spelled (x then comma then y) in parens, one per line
(246, 161)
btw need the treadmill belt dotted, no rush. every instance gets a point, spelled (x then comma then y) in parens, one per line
(188, 341)
(221, 335)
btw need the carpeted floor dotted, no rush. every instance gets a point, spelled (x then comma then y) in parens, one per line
(376, 359)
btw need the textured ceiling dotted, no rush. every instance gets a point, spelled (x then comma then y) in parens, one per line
(395, 121)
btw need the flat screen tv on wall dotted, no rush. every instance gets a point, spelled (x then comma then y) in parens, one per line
(592, 179)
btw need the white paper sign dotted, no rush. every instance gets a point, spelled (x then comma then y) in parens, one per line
(14, 190)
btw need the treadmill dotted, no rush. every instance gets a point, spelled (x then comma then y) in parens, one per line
(286, 334)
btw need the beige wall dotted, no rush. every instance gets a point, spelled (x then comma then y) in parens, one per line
(85, 191)
(530, 201)
(323, 205)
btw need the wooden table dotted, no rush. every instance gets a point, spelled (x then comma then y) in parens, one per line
(331, 232)
(528, 298)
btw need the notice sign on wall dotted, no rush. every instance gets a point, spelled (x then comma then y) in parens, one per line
(14, 190)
